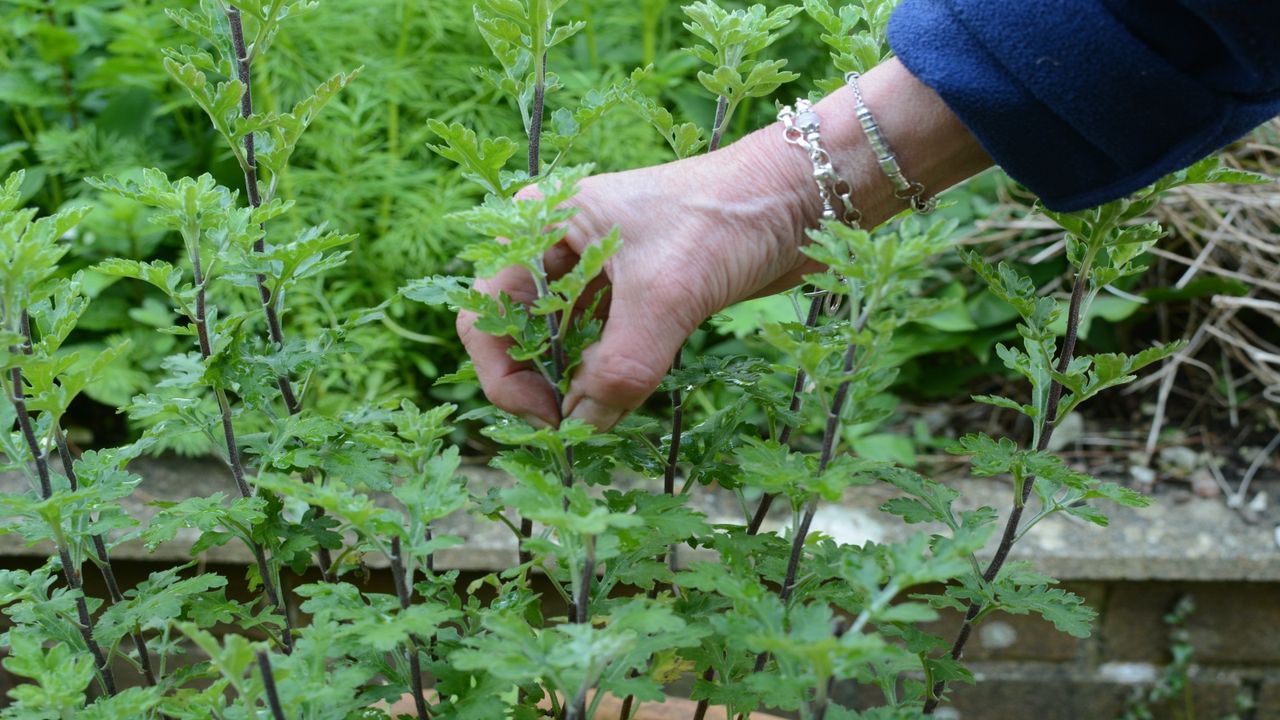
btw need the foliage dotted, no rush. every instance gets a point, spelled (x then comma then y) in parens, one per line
(339, 472)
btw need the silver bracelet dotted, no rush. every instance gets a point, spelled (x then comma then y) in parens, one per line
(801, 127)
(903, 189)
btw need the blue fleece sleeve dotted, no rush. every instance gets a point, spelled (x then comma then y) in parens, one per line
(1084, 101)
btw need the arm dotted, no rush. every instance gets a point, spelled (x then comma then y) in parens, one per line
(1084, 101)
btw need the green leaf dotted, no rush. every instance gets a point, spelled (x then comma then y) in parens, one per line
(287, 129)
(887, 447)
(481, 162)
(154, 603)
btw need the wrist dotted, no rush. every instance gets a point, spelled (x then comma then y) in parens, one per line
(779, 175)
(931, 145)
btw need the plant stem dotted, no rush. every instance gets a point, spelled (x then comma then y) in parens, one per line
(535, 117)
(269, 685)
(627, 702)
(1010, 534)
(558, 360)
(579, 610)
(250, 169)
(233, 451)
(677, 430)
(526, 531)
(700, 712)
(677, 397)
(69, 571)
(797, 399)
(829, 438)
(104, 560)
(583, 601)
(403, 582)
(275, 330)
(717, 127)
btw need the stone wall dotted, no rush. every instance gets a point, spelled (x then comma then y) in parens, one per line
(1026, 669)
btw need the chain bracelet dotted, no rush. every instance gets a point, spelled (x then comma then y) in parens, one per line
(903, 189)
(801, 127)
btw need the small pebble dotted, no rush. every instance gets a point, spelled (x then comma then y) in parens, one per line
(1259, 502)
(1179, 459)
(1203, 484)
(1144, 476)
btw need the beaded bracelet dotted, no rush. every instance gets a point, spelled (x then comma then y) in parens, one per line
(801, 127)
(903, 188)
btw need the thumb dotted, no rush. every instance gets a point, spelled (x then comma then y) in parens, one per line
(623, 369)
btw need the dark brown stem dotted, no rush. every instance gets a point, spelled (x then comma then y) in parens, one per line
(526, 532)
(233, 455)
(797, 399)
(274, 327)
(1010, 534)
(403, 583)
(700, 712)
(72, 576)
(677, 420)
(250, 169)
(829, 437)
(104, 561)
(19, 401)
(535, 119)
(431, 557)
(828, 450)
(717, 127)
(69, 571)
(625, 712)
(269, 685)
(673, 452)
(555, 321)
(559, 361)
(677, 430)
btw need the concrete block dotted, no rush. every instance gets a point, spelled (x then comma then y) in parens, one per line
(1233, 623)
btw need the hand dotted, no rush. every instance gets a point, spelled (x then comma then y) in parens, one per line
(703, 233)
(698, 235)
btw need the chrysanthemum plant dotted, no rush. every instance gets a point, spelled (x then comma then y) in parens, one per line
(620, 583)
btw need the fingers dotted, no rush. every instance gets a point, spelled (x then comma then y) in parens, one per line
(624, 368)
(516, 387)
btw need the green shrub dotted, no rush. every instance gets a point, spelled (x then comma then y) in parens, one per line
(325, 471)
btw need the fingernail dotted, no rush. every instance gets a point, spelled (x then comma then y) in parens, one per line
(601, 416)
(536, 422)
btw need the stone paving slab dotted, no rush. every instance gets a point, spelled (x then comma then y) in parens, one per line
(1192, 540)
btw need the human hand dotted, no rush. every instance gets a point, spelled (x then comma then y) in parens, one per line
(698, 235)
(703, 233)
